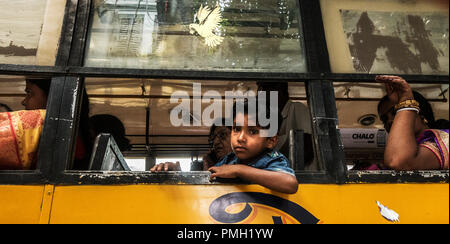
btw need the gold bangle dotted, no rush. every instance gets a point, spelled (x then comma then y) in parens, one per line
(407, 104)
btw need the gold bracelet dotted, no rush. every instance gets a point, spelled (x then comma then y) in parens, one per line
(407, 104)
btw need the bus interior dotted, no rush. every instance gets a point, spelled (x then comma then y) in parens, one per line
(130, 99)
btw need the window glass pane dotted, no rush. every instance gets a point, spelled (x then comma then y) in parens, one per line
(387, 36)
(30, 31)
(254, 35)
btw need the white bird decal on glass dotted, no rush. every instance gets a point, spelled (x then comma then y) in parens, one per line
(208, 21)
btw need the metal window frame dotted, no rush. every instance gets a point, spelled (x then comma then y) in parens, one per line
(58, 140)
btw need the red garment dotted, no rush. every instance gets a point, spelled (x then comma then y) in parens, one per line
(80, 149)
(20, 133)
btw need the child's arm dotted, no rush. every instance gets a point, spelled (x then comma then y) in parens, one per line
(277, 181)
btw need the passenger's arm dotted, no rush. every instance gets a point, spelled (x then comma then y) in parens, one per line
(277, 181)
(402, 151)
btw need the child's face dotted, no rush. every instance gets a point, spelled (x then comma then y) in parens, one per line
(247, 143)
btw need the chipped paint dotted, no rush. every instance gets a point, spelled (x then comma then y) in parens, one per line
(390, 176)
(388, 214)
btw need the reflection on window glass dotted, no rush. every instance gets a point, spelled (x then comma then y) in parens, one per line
(251, 35)
(30, 30)
(402, 42)
(402, 37)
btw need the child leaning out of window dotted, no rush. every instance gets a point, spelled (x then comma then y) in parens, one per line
(254, 158)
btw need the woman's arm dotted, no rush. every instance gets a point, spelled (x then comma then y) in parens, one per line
(402, 151)
(277, 181)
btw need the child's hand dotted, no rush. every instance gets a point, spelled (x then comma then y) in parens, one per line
(224, 171)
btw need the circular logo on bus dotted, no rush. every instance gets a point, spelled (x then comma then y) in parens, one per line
(258, 208)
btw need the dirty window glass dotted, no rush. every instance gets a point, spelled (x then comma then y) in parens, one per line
(387, 36)
(30, 31)
(253, 35)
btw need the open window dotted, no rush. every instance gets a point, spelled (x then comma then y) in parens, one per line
(143, 115)
(23, 101)
(363, 132)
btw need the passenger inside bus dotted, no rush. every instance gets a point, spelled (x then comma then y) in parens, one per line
(254, 157)
(414, 142)
(21, 130)
(296, 116)
(219, 141)
(110, 124)
(36, 90)
(19, 139)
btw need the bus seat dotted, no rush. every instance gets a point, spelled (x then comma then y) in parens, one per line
(106, 155)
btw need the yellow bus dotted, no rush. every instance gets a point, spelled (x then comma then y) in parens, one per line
(130, 57)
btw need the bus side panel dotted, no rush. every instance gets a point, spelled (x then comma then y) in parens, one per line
(193, 204)
(20, 204)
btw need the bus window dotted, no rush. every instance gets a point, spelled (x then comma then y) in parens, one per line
(22, 116)
(244, 35)
(387, 37)
(170, 120)
(30, 31)
(363, 132)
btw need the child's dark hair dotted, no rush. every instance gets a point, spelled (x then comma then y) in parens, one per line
(265, 113)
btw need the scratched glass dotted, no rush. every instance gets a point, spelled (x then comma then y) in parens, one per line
(224, 35)
(30, 31)
(388, 36)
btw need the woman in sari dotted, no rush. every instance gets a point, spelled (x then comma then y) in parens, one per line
(20, 131)
(414, 143)
(19, 139)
